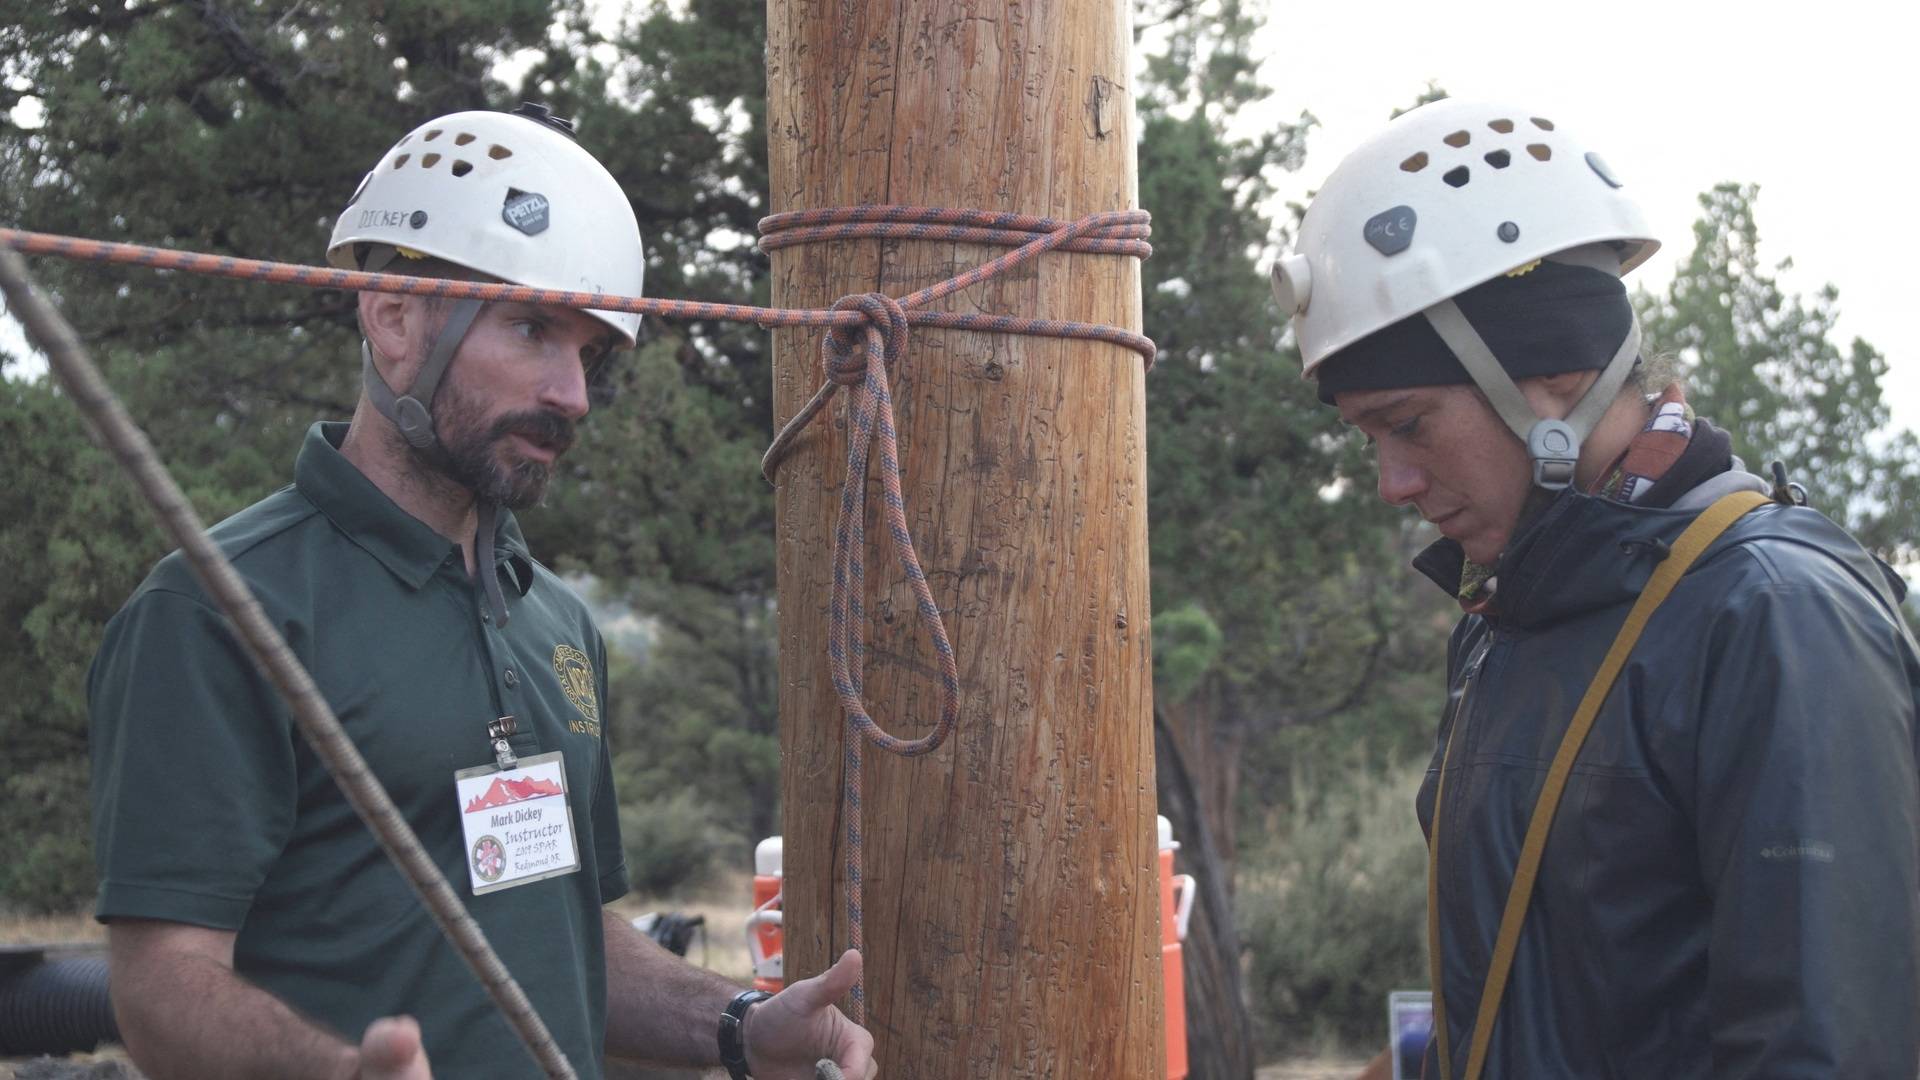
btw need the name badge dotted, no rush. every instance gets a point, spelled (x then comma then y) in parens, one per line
(518, 824)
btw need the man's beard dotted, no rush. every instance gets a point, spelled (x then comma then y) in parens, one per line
(468, 452)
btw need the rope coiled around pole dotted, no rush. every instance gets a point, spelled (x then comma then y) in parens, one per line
(871, 419)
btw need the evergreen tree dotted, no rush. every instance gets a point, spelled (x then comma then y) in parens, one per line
(1278, 577)
(237, 128)
(1767, 365)
(242, 128)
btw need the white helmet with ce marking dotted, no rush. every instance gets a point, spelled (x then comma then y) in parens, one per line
(1449, 196)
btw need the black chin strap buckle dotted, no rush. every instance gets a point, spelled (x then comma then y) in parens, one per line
(414, 421)
(1554, 450)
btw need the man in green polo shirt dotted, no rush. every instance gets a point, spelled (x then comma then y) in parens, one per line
(255, 926)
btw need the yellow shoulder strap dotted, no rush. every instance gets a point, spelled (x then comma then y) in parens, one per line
(1698, 536)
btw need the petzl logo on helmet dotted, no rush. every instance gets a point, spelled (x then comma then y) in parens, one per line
(526, 211)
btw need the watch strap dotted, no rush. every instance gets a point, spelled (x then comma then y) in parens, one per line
(733, 1046)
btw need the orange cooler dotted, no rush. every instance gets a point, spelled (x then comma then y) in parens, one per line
(1174, 915)
(763, 926)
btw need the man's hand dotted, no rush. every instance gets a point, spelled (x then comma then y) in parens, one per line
(786, 1034)
(184, 1015)
(391, 1050)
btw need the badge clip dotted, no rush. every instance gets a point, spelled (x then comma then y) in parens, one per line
(499, 730)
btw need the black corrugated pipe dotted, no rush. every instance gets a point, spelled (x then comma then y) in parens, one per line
(58, 1006)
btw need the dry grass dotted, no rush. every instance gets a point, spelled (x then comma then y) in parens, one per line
(1311, 1069)
(725, 904)
(77, 929)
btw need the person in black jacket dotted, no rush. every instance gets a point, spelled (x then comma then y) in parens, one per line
(1730, 879)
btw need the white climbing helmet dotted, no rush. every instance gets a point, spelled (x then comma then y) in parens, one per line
(1450, 195)
(511, 195)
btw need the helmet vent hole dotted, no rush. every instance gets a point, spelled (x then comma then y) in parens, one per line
(1414, 163)
(1499, 159)
(1456, 176)
(1504, 127)
(1458, 139)
(461, 168)
(1540, 151)
(1543, 123)
(431, 135)
(498, 152)
(401, 160)
(462, 139)
(430, 161)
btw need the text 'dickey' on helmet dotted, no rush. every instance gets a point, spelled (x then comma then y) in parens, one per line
(511, 196)
(1448, 196)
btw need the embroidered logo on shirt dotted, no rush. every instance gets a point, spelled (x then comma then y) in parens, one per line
(576, 681)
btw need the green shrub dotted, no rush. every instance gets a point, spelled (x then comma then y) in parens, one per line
(48, 863)
(1333, 913)
(673, 842)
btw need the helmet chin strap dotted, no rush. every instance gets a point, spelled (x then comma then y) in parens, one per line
(1552, 445)
(409, 413)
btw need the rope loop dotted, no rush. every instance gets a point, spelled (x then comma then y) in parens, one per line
(884, 335)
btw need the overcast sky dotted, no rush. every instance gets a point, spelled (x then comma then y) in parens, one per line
(1810, 101)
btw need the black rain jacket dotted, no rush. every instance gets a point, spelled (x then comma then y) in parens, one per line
(1731, 887)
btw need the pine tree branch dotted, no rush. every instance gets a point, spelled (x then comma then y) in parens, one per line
(169, 327)
(253, 63)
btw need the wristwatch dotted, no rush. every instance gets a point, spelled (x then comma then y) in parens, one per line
(733, 1048)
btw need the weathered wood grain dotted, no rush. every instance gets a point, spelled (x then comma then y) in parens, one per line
(1011, 896)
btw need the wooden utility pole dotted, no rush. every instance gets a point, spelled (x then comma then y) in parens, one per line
(1011, 915)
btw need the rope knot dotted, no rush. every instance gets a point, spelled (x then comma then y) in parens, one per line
(884, 335)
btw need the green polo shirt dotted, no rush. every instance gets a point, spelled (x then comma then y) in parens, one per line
(209, 808)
